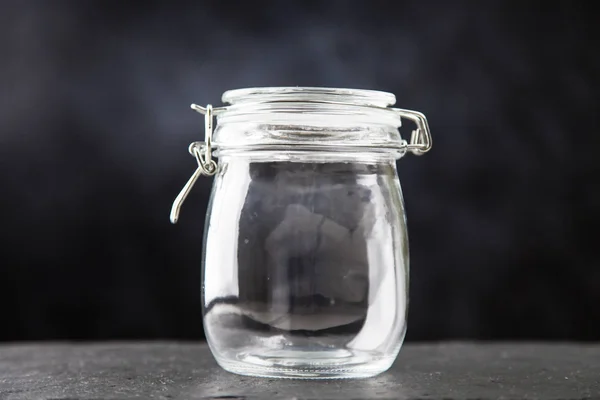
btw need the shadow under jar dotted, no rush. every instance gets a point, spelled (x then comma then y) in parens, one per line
(306, 252)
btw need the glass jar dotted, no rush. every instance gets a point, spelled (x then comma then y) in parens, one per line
(305, 270)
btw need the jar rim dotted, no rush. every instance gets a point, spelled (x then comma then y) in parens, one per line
(360, 97)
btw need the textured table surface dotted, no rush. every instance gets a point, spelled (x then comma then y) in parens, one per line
(187, 371)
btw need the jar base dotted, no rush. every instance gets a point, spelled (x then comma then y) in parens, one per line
(302, 364)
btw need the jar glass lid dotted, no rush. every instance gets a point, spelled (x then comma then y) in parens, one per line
(296, 116)
(359, 97)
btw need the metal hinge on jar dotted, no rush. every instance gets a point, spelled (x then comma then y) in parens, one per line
(202, 151)
(420, 138)
(420, 143)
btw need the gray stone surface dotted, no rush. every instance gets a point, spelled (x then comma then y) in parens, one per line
(187, 371)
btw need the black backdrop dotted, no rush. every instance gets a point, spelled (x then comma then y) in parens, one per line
(95, 123)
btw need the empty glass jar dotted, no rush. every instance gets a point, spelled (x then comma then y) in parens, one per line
(306, 252)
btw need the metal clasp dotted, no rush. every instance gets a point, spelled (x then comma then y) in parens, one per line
(420, 139)
(202, 151)
(420, 143)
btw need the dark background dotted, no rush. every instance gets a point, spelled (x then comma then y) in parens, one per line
(95, 122)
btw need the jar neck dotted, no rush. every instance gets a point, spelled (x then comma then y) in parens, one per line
(321, 155)
(260, 135)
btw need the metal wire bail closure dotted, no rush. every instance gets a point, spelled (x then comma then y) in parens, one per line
(420, 143)
(420, 139)
(202, 151)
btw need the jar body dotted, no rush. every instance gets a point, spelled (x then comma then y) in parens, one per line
(305, 270)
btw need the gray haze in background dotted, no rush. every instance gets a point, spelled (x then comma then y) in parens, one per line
(95, 123)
